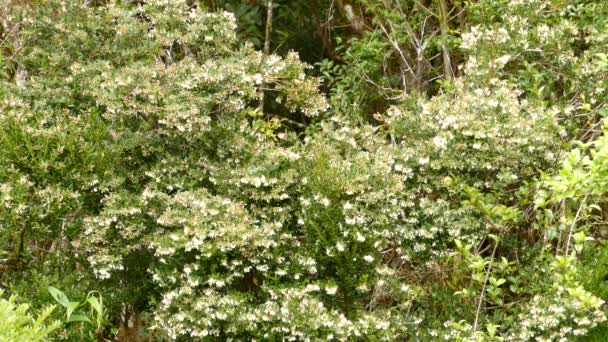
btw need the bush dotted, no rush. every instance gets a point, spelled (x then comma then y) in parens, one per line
(16, 324)
(139, 160)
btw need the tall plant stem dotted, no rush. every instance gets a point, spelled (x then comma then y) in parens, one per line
(443, 22)
(483, 289)
(266, 48)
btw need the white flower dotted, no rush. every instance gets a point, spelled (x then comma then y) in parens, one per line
(360, 237)
(331, 290)
(502, 60)
(368, 258)
(312, 288)
(423, 161)
(325, 201)
(340, 247)
(440, 142)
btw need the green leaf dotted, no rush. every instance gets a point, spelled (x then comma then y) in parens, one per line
(494, 237)
(72, 306)
(59, 296)
(79, 317)
(579, 237)
(97, 306)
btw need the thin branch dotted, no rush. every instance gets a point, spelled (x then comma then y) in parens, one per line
(483, 289)
(578, 212)
(266, 48)
(401, 54)
(447, 61)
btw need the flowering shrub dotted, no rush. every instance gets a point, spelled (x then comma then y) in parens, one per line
(136, 151)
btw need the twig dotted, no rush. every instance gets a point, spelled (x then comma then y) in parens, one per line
(401, 54)
(578, 212)
(483, 289)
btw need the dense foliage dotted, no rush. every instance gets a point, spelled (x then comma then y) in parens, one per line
(17, 325)
(429, 170)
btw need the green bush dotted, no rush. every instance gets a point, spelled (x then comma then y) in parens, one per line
(16, 324)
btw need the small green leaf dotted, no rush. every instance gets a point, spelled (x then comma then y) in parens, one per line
(59, 296)
(79, 317)
(72, 306)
